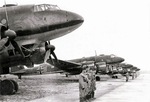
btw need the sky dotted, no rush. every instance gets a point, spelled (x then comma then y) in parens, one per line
(120, 27)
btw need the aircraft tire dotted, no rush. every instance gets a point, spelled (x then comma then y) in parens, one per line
(66, 75)
(19, 77)
(98, 78)
(16, 87)
(133, 77)
(116, 77)
(7, 87)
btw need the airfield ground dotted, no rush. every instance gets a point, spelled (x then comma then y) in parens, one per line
(58, 88)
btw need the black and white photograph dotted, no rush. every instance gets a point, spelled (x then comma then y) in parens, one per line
(74, 51)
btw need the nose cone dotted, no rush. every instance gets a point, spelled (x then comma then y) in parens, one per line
(74, 17)
(119, 59)
(74, 20)
(125, 65)
(115, 60)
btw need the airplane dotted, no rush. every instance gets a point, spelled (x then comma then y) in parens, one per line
(26, 31)
(134, 72)
(74, 67)
(125, 69)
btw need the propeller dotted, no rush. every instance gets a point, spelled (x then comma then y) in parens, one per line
(49, 51)
(10, 35)
(3, 42)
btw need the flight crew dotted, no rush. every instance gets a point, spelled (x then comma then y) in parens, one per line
(93, 83)
(87, 84)
(89, 88)
(83, 85)
(127, 77)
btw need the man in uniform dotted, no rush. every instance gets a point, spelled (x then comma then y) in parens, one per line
(89, 78)
(93, 82)
(127, 77)
(83, 85)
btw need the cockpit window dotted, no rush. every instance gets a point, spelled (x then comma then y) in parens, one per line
(45, 7)
(112, 56)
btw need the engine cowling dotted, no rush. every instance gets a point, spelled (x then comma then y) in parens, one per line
(102, 67)
(38, 55)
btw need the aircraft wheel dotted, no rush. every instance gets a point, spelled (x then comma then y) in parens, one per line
(7, 87)
(133, 77)
(113, 76)
(66, 75)
(16, 87)
(98, 78)
(116, 77)
(19, 77)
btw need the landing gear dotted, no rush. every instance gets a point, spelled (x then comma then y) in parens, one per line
(8, 87)
(136, 75)
(19, 77)
(16, 87)
(66, 75)
(98, 78)
(133, 76)
(115, 77)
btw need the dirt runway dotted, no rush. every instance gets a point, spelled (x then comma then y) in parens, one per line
(55, 88)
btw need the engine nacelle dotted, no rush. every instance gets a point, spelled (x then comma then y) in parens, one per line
(102, 67)
(38, 55)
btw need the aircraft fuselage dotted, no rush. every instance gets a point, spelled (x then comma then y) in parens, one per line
(33, 24)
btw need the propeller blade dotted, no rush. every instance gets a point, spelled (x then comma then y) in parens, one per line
(54, 55)
(47, 56)
(6, 14)
(3, 29)
(17, 47)
(3, 42)
(50, 51)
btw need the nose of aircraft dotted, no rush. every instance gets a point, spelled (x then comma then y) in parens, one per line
(74, 19)
(74, 16)
(115, 60)
(120, 59)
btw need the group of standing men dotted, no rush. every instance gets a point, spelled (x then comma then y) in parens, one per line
(87, 84)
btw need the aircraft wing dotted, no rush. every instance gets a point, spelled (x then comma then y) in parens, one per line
(67, 66)
(63, 64)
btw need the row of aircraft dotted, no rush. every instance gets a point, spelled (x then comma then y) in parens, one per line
(26, 31)
(103, 65)
(69, 67)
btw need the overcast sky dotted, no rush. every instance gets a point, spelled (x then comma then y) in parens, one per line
(120, 27)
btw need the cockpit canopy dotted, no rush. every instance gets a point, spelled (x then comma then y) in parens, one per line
(45, 7)
(112, 56)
